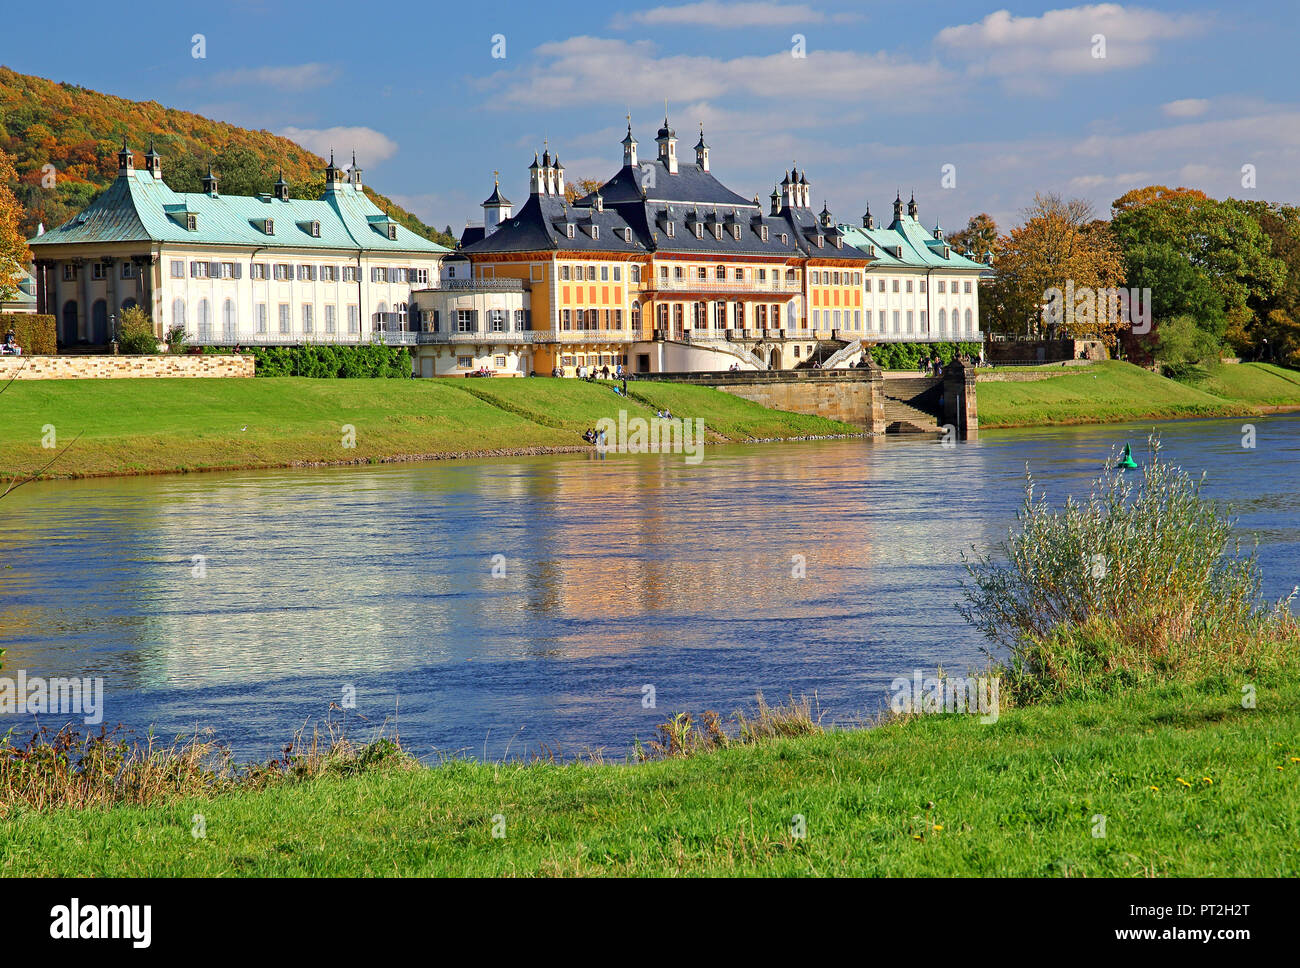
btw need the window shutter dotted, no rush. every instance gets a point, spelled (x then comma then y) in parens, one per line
(214, 270)
(239, 270)
(473, 320)
(194, 270)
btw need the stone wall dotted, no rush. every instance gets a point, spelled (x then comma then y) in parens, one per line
(124, 367)
(847, 400)
(1043, 350)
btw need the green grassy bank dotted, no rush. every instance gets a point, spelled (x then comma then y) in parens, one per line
(1189, 783)
(142, 426)
(1115, 391)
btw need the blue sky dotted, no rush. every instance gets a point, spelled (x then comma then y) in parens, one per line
(886, 96)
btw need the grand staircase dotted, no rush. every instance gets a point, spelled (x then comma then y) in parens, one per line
(911, 404)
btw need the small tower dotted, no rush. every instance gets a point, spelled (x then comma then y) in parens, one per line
(867, 221)
(825, 216)
(559, 176)
(548, 173)
(354, 173)
(496, 209)
(787, 193)
(776, 200)
(938, 232)
(153, 161)
(667, 142)
(898, 207)
(125, 159)
(702, 151)
(805, 193)
(210, 183)
(911, 206)
(333, 175)
(535, 177)
(629, 146)
(282, 187)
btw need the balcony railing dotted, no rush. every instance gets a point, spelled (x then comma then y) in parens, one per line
(484, 285)
(752, 287)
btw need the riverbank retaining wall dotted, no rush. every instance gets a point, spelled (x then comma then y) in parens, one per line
(85, 367)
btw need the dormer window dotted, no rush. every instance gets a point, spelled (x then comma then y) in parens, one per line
(268, 226)
(735, 232)
(627, 235)
(192, 222)
(595, 231)
(785, 239)
(670, 229)
(699, 230)
(314, 229)
(392, 232)
(821, 240)
(568, 230)
(762, 232)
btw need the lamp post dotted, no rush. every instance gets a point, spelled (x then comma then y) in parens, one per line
(112, 323)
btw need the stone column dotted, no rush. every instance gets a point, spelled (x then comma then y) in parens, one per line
(42, 294)
(959, 405)
(83, 304)
(875, 422)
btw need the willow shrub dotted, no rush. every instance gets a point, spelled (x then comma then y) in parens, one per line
(326, 361)
(1144, 579)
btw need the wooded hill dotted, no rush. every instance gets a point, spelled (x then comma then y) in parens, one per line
(79, 132)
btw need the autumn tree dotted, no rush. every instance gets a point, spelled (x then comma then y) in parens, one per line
(1060, 246)
(1199, 256)
(14, 254)
(979, 237)
(580, 188)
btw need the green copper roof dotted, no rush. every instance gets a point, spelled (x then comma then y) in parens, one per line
(137, 207)
(920, 249)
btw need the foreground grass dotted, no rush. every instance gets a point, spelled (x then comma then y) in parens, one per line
(139, 426)
(1262, 384)
(1104, 392)
(1188, 781)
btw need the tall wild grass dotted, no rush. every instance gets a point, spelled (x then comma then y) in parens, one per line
(1143, 579)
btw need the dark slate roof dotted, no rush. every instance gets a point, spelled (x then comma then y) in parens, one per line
(803, 224)
(496, 198)
(542, 224)
(472, 234)
(691, 184)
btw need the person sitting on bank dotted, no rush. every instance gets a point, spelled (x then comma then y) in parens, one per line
(11, 346)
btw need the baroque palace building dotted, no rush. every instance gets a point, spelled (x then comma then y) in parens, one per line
(261, 269)
(665, 269)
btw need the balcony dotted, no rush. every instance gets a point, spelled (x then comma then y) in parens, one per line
(747, 287)
(483, 285)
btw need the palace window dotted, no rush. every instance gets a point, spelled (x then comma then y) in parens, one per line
(965, 287)
(635, 273)
(198, 270)
(895, 282)
(268, 226)
(909, 285)
(762, 275)
(99, 270)
(941, 287)
(192, 223)
(327, 274)
(498, 320)
(789, 275)
(921, 285)
(701, 273)
(636, 315)
(314, 228)
(880, 285)
(284, 317)
(354, 319)
(306, 273)
(564, 273)
(128, 270)
(465, 362)
(519, 321)
(500, 362)
(566, 319)
(677, 272)
(259, 315)
(721, 272)
(604, 273)
(226, 270)
(178, 269)
(257, 270)
(178, 312)
(306, 317)
(228, 323)
(70, 271)
(283, 272)
(816, 278)
(392, 233)
(618, 273)
(349, 273)
(465, 321)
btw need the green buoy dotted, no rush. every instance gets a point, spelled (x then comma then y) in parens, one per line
(1127, 460)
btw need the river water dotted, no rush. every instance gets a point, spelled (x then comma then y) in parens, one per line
(489, 607)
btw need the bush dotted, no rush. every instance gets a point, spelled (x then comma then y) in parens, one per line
(135, 335)
(1183, 346)
(175, 339)
(326, 361)
(908, 356)
(1142, 579)
(34, 333)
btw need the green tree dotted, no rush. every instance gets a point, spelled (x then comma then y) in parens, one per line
(135, 333)
(979, 237)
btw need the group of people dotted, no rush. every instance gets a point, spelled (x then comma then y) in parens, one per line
(664, 414)
(594, 437)
(591, 373)
(10, 346)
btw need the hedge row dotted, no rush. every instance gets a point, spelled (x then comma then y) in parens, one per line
(35, 334)
(325, 362)
(908, 356)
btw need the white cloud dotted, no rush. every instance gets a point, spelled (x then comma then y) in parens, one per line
(710, 13)
(370, 145)
(1188, 107)
(293, 77)
(587, 70)
(1026, 52)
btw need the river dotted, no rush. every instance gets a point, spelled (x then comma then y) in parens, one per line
(248, 602)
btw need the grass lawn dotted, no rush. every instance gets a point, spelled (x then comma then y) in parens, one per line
(1262, 384)
(1103, 392)
(130, 426)
(1189, 783)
